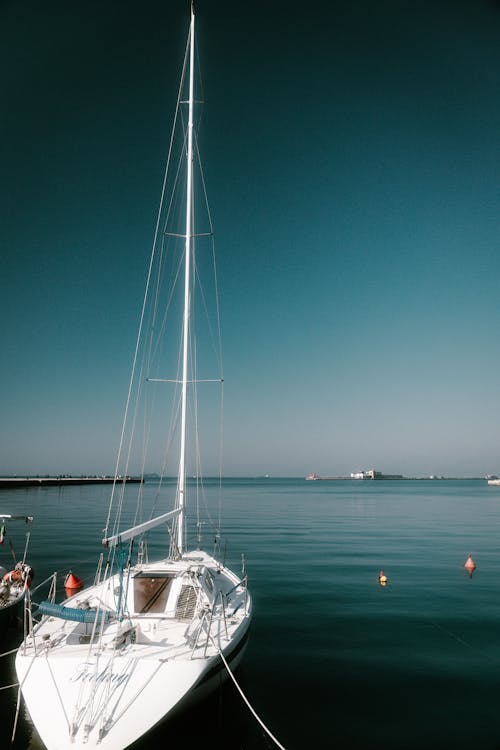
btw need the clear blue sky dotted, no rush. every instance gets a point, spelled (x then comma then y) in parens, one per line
(352, 159)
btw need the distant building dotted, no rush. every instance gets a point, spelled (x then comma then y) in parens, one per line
(372, 474)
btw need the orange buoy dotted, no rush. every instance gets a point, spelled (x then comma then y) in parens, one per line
(72, 582)
(470, 565)
(382, 578)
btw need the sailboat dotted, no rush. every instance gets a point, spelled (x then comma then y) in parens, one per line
(14, 583)
(149, 637)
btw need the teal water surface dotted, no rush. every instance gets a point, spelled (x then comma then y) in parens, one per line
(334, 660)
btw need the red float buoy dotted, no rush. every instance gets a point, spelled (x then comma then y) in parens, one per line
(72, 582)
(470, 565)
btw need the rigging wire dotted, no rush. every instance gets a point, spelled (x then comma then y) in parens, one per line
(143, 309)
(218, 339)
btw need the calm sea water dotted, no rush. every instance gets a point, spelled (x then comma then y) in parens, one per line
(334, 660)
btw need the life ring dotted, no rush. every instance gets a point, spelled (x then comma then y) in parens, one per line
(21, 574)
(13, 576)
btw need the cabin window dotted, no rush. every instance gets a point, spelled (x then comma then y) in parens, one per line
(151, 593)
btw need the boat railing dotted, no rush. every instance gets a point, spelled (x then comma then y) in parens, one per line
(210, 618)
(242, 582)
(207, 619)
(28, 619)
(53, 586)
(97, 578)
(223, 600)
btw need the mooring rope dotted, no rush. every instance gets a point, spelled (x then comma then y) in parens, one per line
(249, 706)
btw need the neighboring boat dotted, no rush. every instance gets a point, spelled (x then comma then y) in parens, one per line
(494, 482)
(16, 577)
(147, 638)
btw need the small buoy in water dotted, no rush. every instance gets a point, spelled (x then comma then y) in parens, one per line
(72, 582)
(382, 578)
(470, 565)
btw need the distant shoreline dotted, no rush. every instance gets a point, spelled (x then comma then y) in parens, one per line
(396, 479)
(14, 482)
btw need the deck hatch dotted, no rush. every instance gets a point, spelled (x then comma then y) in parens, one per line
(151, 593)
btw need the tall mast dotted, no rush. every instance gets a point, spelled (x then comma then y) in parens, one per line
(187, 274)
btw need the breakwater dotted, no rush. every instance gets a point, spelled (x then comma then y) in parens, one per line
(47, 481)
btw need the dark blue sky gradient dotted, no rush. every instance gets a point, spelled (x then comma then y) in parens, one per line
(351, 153)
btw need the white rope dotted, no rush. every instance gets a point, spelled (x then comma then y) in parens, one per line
(252, 710)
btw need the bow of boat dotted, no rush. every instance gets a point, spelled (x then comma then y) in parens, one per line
(92, 680)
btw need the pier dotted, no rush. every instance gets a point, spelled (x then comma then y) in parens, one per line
(14, 482)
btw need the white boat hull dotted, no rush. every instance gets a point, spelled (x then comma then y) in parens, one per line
(143, 693)
(111, 691)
